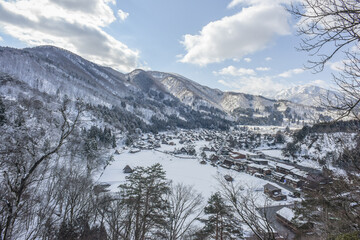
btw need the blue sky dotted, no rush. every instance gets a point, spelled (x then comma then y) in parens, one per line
(233, 45)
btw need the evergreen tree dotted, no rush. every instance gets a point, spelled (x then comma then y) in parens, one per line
(144, 195)
(2, 112)
(113, 141)
(220, 224)
(67, 232)
(279, 137)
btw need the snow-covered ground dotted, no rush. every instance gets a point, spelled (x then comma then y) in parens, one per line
(277, 153)
(187, 170)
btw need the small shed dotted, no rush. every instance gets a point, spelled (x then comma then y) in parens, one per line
(203, 162)
(127, 169)
(228, 178)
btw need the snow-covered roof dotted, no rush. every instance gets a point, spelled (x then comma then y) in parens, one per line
(299, 172)
(259, 159)
(254, 165)
(292, 179)
(286, 213)
(278, 174)
(271, 187)
(285, 166)
(245, 152)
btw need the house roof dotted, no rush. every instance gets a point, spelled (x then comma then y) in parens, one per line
(271, 187)
(285, 166)
(127, 168)
(286, 213)
(254, 165)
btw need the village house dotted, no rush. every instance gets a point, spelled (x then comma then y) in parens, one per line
(278, 177)
(228, 178)
(315, 181)
(127, 169)
(227, 164)
(259, 161)
(293, 182)
(286, 216)
(283, 168)
(237, 155)
(273, 192)
(257, 168)
(299, 174)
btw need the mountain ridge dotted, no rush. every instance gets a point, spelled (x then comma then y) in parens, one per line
(148, 94)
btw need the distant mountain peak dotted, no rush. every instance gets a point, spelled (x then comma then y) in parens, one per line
(308, 94)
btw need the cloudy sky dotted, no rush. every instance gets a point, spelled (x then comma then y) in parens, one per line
(233, 45)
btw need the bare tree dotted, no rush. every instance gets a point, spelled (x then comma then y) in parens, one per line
(184, 208)
(329, 28)
(247, 209)
(25, 156)
(113, 214)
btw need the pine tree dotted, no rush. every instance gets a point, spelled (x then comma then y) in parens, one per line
(113, 141)
(2, 112)
(220, 224)
(144, 195)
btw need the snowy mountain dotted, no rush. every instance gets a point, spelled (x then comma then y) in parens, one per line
(309, 95)
(152, 97)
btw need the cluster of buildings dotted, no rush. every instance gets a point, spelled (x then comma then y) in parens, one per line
(222, 149)
(259, 165)
(237, 150)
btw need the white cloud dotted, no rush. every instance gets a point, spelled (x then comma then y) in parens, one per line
(227, 84)
(291, 72)
(234, 3)
(1, 39)
(263, 69)
(249, 31)
(320, 83)
(122, 15)
(268, 58)
(247, 59)
(338, 66)
(73, 25)
(233, 71)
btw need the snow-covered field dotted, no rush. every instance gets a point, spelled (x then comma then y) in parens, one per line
(184, 169)
(277, 153)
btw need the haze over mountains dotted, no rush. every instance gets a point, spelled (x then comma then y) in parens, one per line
(150, 96)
